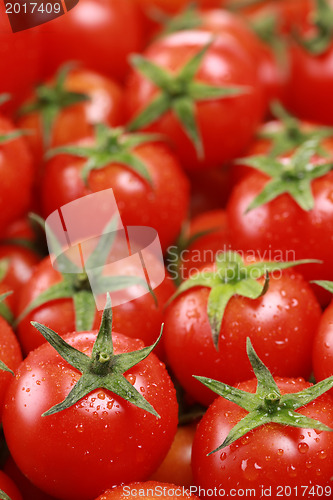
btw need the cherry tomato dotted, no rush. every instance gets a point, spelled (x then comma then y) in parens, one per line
(226, 125)
(102, 440)
(281, 324)
(93, 33)
(149, 490)
(323, 346)
(272, 456)
(10, 354)
(7, 485)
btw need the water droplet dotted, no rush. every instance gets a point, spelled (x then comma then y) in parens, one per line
(291, 469)
(79, 427)
(101, 395)
(308, 464)
(280, 452)
(303, 448)
(223, 456)
(322, 454)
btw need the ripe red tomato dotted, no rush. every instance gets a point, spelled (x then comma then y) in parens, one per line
(10, 354)
(93, 33)
(176, 467)
(19, 54)
(84, 463)
(162, 205)
(323, 346)
(271, 456)
(174, 6)
(7, 485)
(16, 169)
(148, 490)
(226, 125)
(72, 122)
(138, 318)
(281, 325)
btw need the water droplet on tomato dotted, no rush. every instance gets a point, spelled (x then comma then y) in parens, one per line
(303, 448)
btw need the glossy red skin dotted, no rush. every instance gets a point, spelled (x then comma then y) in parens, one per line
(20, 228)
(310, 75)
(323, 347)
(10, 354)
(19, 54)
(163, 205)
(22, 262)
(28, 490)
(172, 492)
(139, 318)
(235, 119)
(281, 325)
(93, 34)
(75, 122)
(16, 169)
(7, 485)
(175, 6)
(101, 441)
(204, 249)
(282, 228)
(272, 455)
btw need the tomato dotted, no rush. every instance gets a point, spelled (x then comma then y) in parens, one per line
(281, 324)
(176, 467)
(137, 318)
(273, 456)
(99, 442)
(323, 346)
(220, 128)
(10, 354)
(281, 227)
(93, 33)
(161, 203)
(74, 118)
(7, 486)
(210, 190)
(19, 54)
(15, 169)
(208, 235)
(21, 264)
(174, 6)
(148, 490)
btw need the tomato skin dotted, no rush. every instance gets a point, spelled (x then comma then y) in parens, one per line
(323, 346)
(102, 440)
(146, 490)
(93, 34)
(272, 455)
(281, 229)
(10, 354)
(105, 105)
(174, 6)
(16, 168)
(176, 467)
(234, 119)
(138, 318)
(7, 485)
(281, 325)
(163, 205)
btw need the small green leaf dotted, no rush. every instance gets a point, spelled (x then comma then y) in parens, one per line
(202, 92)
(308, 395)
(267, 165)
(152, 71)
(266, 382)
(217, 302)
(184, 108)
(11, 136)
(157, 107)
(4, 98)
(191, 68)
(4, 266)
(272, 190)
(134, 163)
(294, 419)
(85, 310)
(98, 257)
(4, 495)
(5, 368)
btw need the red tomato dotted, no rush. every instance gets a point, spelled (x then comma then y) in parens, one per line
(273, 455)
(148, 490)
(78, 440)
(226, 125)
(19, 55)
(323, 346)
(281, 325)
(7, 485)
(93, 33)
(73, 122)
(15, 170)
(176, 467)
(162, 205)
(22, 262)
(174, 6)
(10, 354)
(138, 318)
(210, 190)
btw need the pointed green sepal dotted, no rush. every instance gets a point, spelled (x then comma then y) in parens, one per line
(103, 369)
(4, 496)
(322, 20)
(5, 312)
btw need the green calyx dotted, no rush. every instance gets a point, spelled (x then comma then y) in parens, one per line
(231, 278)
(267, 405)
(51, 99)
(5, 312)
(323, 23)
(4, 496)
(189, 19)
(179, 93)
(103, 369)
(294, 176)
(76, 284)
(3, 309)
(112, 145)
(291, 133)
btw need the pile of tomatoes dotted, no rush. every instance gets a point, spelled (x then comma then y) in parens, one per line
(212, 122)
